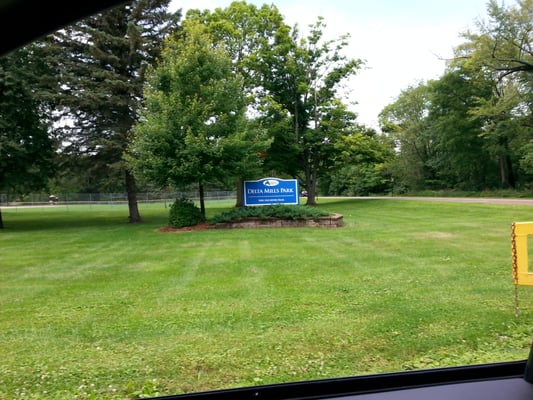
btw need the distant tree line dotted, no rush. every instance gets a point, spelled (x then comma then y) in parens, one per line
(473, 127)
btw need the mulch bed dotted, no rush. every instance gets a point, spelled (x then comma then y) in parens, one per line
(199, 227)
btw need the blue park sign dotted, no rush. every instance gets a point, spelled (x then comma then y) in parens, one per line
(268, 191)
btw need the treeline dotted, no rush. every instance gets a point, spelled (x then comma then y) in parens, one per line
(137, 97)
(472, 128)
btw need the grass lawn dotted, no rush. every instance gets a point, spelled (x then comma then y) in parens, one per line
(92, 307)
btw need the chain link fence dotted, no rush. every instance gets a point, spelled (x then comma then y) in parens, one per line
(36, 199)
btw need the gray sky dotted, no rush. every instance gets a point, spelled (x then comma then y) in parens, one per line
(402, 42)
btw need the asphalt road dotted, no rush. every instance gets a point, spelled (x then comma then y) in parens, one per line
(484, 200)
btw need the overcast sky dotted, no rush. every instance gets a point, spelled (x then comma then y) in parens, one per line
(401, 41)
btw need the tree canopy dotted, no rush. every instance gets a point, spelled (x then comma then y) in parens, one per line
(26, 150)
(100, 63)
(473, 129)
(192, 130)
(288, 86)
(303, 78)
(235, 93)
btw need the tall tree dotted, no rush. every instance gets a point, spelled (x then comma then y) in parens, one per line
(26, 151)
(405, 121)
(101, 63)
(464, 158)
(248, 34)
(192, 131)
(439, 141)
(302, 82)
(502, 49)
(292, 84)
(504, 42)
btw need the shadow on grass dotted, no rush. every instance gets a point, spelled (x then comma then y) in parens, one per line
(44, 219)
(20, 219)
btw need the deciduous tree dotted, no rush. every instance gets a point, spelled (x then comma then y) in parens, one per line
(465, 158)
(292, 84)
(303, 78)
(362, 161)
(405, 121)
(501, 48)
(193, 128)
(249, 34)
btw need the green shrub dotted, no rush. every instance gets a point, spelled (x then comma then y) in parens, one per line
(184, 213)
(273, 211)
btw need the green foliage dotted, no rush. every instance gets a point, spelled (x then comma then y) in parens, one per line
(405, 121)
(358, 180)
(304, 77)
(183, 212)
(441, 142)
(101, 62)
(26, 151)
(281, 211)
(150, 388)
(360, 165)
(298, 101)
(471, 128)
(193, 130)
(463, 157)
(499, 49)
(502, 43)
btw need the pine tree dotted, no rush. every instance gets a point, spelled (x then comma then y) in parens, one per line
(100, 64)
(26, 151)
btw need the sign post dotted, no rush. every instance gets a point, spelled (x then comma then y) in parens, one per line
(268, 191)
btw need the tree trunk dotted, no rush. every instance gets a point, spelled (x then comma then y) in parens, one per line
(131, 189)
(310, 180)
(240, 193)
(311, 192)
(502, 172)
(311, 197)
(202, 199)
(510, 172)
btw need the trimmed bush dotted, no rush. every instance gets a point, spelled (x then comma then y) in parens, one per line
(265, 212)
(184, 213)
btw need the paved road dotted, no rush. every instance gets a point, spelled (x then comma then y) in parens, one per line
(485, 200)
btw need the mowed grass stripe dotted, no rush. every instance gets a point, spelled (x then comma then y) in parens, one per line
(94, 307)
